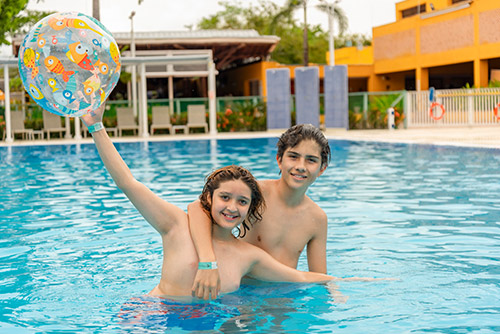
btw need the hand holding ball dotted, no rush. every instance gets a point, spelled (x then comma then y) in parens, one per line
(69, 63)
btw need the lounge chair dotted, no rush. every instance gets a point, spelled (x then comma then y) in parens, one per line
(196, 117)
(52, 123)
(17, 125)
(161, 119)
(126, 120)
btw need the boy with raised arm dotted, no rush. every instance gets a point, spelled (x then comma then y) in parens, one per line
(291, 220)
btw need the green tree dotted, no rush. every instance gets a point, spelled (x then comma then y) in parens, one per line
(8, 12)
(235, 16)
(267, 18)
(347, 40)
(15, 19)
(287, 11)
(292, 5)
(337, 13)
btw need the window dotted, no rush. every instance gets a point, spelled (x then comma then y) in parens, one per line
(255, 88)
(414, 10)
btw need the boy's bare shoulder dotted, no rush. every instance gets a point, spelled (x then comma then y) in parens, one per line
(266, 184)
(315, 210)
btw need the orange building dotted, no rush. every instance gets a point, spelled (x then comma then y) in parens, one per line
(438, 43)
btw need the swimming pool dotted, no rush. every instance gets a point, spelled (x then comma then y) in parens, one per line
(76, 256)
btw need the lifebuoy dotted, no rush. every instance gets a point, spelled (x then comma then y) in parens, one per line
(431, 111)
(495, 111)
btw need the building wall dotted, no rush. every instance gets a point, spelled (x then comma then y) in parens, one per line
(359, 76)
(238, 79)
(445, 36)
(445, 45)
(353, 56)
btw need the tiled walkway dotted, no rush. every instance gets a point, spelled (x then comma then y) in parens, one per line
(468, 136)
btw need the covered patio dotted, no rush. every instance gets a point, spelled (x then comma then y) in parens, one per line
(172, 65)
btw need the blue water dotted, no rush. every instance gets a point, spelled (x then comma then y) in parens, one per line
(75, 256)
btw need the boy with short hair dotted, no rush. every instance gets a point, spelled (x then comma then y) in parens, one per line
(291, 220)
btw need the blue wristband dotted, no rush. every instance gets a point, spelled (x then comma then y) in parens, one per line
(207, 265)
(95, 127)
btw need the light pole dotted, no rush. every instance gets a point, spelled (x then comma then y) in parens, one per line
(132, 53)
(331, 42)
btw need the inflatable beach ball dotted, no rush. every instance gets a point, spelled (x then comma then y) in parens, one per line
(69, 63)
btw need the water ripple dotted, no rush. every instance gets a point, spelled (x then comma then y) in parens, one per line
(74, 251)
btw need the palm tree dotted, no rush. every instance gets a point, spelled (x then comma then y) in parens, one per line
(292, 5)
(287, 11)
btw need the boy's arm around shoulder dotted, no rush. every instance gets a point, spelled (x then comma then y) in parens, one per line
(266, 268)
(207, 281)
(316, 247)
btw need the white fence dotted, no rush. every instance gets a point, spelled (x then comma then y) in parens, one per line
(462, 107)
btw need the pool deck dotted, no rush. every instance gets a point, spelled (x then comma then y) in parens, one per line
(457, 136)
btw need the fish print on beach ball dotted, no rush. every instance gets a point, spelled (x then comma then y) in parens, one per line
(69, 63)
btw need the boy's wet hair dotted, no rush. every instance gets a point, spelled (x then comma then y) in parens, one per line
(229, 173)
(300, 132)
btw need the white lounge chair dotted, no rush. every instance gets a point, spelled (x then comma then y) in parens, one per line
(196, 117)
(17, 125)
(125, 120)
(52, 123)
(161, 119)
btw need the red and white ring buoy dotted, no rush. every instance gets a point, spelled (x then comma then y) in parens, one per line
(431, 111)
(495, 111)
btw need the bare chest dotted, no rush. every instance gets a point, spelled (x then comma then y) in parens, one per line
(233, 264)
(284, 235)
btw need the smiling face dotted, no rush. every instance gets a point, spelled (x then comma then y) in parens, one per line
(230, 203)
(301, 165)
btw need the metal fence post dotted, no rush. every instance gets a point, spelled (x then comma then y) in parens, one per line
(406, 111)
(470, 107)
(365, 109)
(390, 118)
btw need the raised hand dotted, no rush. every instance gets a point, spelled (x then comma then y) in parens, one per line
(94, 116)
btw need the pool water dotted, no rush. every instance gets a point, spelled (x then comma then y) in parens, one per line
(75, 256)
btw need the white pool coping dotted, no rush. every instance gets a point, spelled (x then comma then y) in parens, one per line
(488, 137)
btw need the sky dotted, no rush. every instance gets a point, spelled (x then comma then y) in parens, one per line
(159, 15)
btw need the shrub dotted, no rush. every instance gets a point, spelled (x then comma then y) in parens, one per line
(243, 116)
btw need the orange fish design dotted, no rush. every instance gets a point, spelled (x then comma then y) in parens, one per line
(54, 65)
(79, 24)
(78, 54)
(57, 23)
(41, 41)
(91, 85)
(29, 59)
(103, 67)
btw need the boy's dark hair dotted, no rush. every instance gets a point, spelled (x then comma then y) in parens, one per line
(228, 173)
(297, 133)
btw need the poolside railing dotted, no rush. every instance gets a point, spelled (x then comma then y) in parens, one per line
(454, 107)
(367, 110)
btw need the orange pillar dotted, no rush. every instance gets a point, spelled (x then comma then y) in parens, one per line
(481, 73)
(422, 78)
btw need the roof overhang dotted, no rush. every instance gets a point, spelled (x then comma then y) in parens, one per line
(229, 47)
